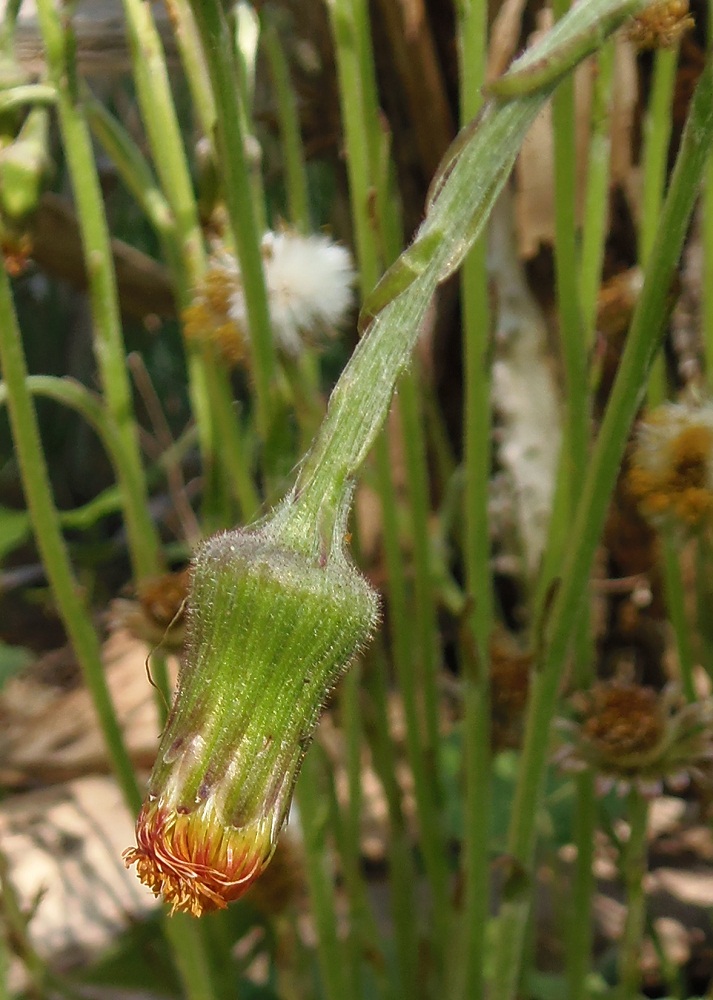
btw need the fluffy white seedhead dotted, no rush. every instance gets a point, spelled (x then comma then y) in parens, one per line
(309, 284)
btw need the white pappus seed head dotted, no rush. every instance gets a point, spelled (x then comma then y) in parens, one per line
(309, 283)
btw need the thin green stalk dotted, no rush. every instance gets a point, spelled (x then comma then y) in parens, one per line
(574, 348)
(164, 134)
(188, 264)
(74, 614)
(596, 198)
(642, 343)
(579, 925)
(707, 246)
(144, 543)
(208, 383)
(425, 787)
(26, 93)
(657, 135)
(45, 521)
(402, 872)
(190, 956)
(137, 175)
(633, 869)
(676, 605)
(289, 122)
(314, 815)
(707, 275)
(185, 31)
(357, 93)
(237, 457)
(469, 978)
(9, 21)
(427, 640)
(350, 824)
(230, 144)
(578, 270)
(364, 948)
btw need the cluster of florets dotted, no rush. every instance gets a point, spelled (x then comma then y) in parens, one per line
(630, 735)
(309, 282)
(193, 859)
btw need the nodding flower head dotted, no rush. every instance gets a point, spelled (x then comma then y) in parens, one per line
(309, 282)
(631, 735)
(272, 622)
(671, 474)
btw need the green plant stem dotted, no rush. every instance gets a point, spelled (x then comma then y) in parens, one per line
(289, 122)
(464, 190)
(190, 956)
(419, 505)
(576, 339)
(425, 787)
(377, 241)
(596, 199)
(159, 114)
(138, 177)
(187, 258)
(350, 827)
(229, 141)
(402, 873)
(469, 977)
(676, 604)
(707, 275)
(633, 869)
(144, 544)
(45, 521)
(26, 93)
(9, 22)
(186, 34)
(574, 348)
(657, 136)
(579, 928)
(707, 246)
(314, 815)
(642, 343)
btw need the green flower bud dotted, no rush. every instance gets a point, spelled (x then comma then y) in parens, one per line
(273, 621)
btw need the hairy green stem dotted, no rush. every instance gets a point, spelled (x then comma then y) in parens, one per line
(642, 343)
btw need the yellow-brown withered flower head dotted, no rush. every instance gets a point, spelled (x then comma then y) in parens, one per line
(671, 473)
(274, 616)
(632, 735)
(192, 860)
(661, 25)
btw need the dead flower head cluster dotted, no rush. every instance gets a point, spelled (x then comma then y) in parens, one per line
(661, 25)
(632, 736)
(671, 474)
